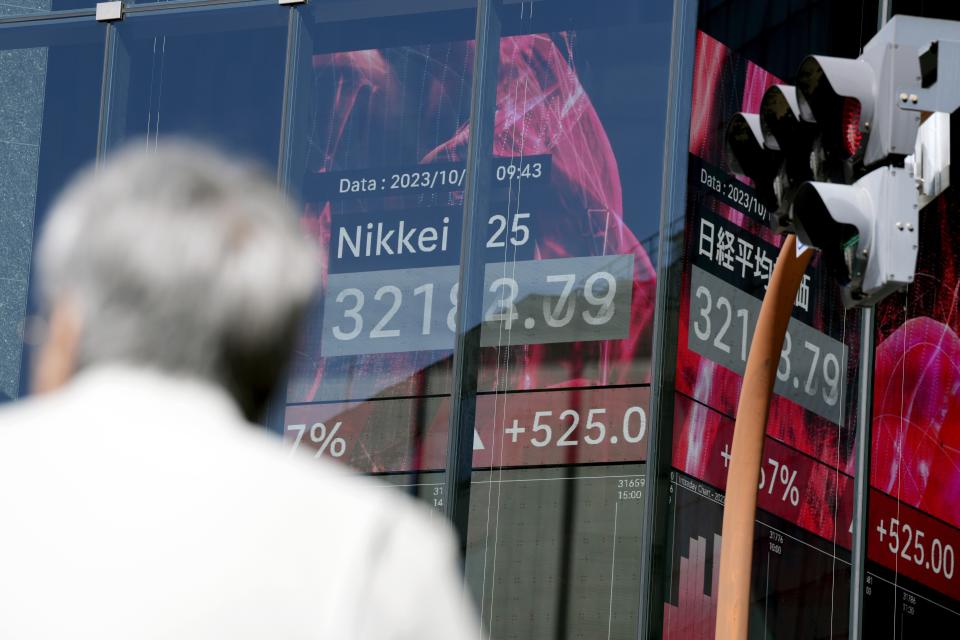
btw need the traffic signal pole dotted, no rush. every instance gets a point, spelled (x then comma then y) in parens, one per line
(861, 494)
(739, 512)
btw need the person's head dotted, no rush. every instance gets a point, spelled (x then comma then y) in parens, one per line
(177, 259)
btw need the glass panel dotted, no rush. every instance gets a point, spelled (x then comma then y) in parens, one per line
(914, 510)
(212, 74)
(381, 95)
(801, 573)
(914, 521)
(49, 114)
(558, 483)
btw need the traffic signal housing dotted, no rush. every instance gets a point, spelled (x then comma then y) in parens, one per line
(838, 95)
(833, 160)
(866, 232)
(750, 157)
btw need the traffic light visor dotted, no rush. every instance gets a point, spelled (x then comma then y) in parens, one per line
(837, 94)
(780, 117)
(867, 231)
(745, 142)
(834, 219)
(749, 158)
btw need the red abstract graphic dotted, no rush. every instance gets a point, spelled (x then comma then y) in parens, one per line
(916, 408)
(410, 105)
(543, 109)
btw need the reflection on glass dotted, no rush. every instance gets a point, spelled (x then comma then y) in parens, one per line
(213, 75)
(562, 416)
(913, 521)
(376, 102)
(913, 525)
(804, 504)
(562, 551)
(48, 129)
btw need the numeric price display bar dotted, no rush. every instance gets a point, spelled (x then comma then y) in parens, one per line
(912, 543)
(792, 485)
(524, 302)
(536, 428)
(812, 366)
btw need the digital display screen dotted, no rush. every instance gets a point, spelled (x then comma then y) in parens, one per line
(914, 509)
(538, 301)
(562, 410)
(569, 286)
(555, 427)
(804, 517)
(724, 319)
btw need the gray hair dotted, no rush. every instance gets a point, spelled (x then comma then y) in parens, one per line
(180, 259)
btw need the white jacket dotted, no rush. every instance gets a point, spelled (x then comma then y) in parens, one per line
(137, 505)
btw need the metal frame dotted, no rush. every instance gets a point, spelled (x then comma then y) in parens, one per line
(109, 11)
(299, 45)
(476, 200)
(864, 450)
(91, 12)
(174, 5)
(656, 517)
(115, 64)
(50, 15)
(861, 492)
(21, 25)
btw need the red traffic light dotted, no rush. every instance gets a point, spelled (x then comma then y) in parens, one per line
(850, 121)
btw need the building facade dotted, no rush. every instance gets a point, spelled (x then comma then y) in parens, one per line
(540, 284)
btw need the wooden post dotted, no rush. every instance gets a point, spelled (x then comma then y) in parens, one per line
(739, 512)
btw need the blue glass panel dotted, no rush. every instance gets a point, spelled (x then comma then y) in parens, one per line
(213, 74)
(379, 87)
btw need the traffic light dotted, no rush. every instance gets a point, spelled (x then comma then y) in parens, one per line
(784, 130)
(866, 232)
(751, 158)
(833, 158)
(838, 95)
